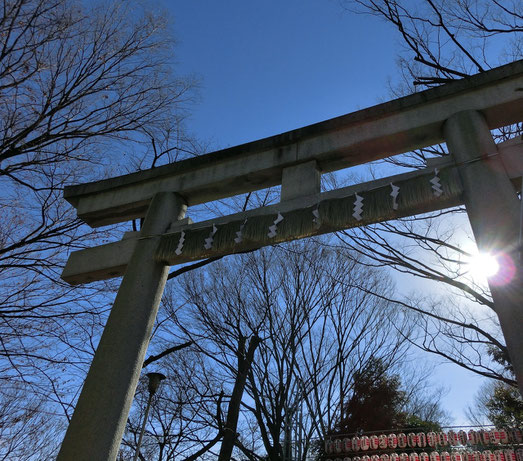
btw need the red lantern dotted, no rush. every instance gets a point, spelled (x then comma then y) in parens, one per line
(347, 444)
(392, 440)
(328, 446)
(517, 435)
(364, 443)
(432, 439)
(462, 436)
(374, 442)
(494, 436)
(375, 458)
(423, 457)
(445, 456)
(473, 437)
(484, 437)
(394, 457)
(503, 436)
(453, 438)
(404, 457)
(338, 445)
(421, 438)
(519, 454)
(385, 457)
(510, 455)
(414, 457)
(412, 440)
(443, 441)
(383, 441)
(355, 443)
(434, 456)
(402, 440)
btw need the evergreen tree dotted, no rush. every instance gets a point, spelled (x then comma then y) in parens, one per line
(505, 406)
(376, 402)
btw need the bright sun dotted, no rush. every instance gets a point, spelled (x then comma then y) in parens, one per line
(496, 269)
(482, 265)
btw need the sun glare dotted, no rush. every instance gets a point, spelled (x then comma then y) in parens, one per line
(483, 265)
(496, 269)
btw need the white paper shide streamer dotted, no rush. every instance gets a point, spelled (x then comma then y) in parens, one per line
(436, 185)
(316, 220)
(394, 194)
(358, 207)
(273, 229)
(179, 248)
(209, 240)
(239, 233)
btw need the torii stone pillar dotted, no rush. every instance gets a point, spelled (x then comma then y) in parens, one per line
(493, 209)
(98, 422)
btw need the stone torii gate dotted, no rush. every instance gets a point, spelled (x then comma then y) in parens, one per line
(478, 173)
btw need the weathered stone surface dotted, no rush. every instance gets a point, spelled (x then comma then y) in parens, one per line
(391, 128)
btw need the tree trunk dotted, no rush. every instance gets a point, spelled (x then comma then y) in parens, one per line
(233, 412)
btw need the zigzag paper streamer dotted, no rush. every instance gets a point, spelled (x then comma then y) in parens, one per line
(209, 240)
(179, 248)
(394, 194)
(272, 229)
(316, 219)
(358, 207)
(239, 234)
(436, 185)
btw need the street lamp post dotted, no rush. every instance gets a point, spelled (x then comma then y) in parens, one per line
(154, 382)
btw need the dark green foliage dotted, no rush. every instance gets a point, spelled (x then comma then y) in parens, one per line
(505, 406)
(415, 423)
(501, 356)
(377, 403)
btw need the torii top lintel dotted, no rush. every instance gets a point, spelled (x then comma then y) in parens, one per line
(377, 132)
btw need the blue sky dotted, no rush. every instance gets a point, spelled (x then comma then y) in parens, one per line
(270, 66)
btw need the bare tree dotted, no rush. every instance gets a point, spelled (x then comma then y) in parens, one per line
(448, 40)
(459, 326)
(186, 414)
(77, 83)
(443, 41)
(26, 430)
(314, 317)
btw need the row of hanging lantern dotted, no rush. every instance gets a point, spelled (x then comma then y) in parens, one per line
(487, 455)
(422, 440)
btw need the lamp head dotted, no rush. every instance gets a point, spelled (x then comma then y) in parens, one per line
(154, 381)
